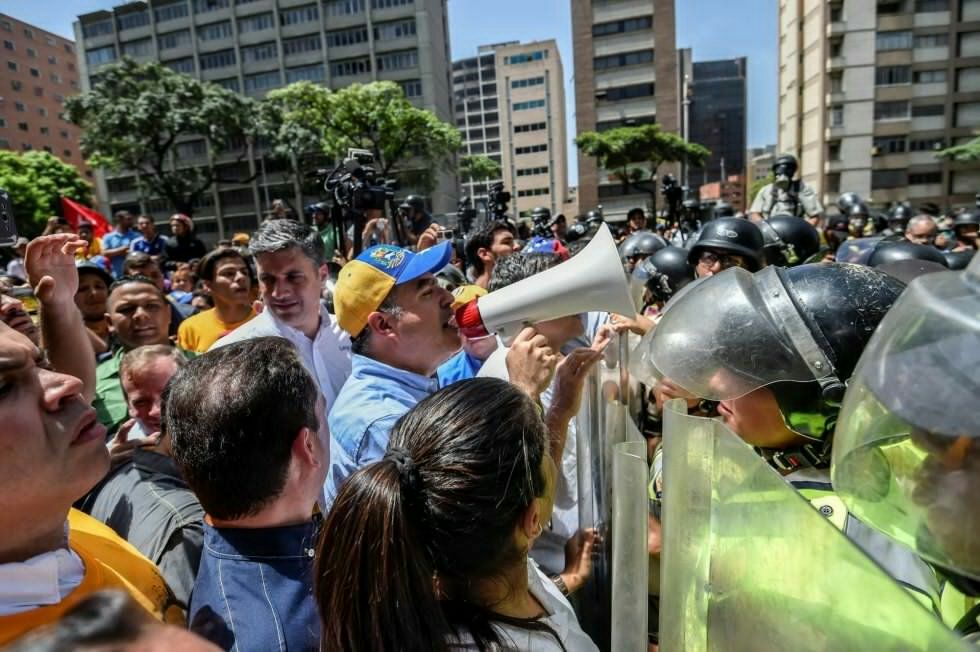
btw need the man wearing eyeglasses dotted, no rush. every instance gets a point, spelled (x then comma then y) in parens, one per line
(727, 242)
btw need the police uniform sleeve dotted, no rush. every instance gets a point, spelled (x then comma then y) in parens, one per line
(761, 199)
(808, 199)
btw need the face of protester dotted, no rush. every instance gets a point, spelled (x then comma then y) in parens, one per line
(638, 222)
(503, 244)
(146, 228)
(144, 386)
(125, 222)
(52, 448)
(85, 233)
(231, 284)
(138, 315)
(12, 313)
(290, 283)
(425, 335)
(150, 271)
(91, 297)
(968, 234)
(178, 228)
(757, 419)
(923, 233)
(713, 261)
(559, 229)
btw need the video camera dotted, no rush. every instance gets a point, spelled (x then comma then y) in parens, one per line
(674, 194)
(498, 199)
(465, 213)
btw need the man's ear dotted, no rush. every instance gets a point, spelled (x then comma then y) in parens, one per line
(305, 446)
(323, 273)
(206, 285)
(484, 254)
(381, 323)
(108, 319)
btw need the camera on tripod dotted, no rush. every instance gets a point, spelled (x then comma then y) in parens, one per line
(355, 186)
(497, 200)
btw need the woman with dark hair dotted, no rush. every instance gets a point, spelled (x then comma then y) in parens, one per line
(427, 549)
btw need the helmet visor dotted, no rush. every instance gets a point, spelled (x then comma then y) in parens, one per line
(907, 445)
(732, 334)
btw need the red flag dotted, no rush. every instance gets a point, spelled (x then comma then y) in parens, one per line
(75, 213)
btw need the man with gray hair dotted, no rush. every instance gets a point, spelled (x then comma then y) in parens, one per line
(922, 230)
(291, 266)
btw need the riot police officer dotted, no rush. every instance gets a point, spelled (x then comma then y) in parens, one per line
(899, 219)
(787, 195)
(887, 251)
(656, 279)
(789, 241)
(727, 242)
(966, 226)
(417, 219)
(858, 218)
(638, 246)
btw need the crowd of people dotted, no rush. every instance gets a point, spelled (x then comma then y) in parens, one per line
(286, 443)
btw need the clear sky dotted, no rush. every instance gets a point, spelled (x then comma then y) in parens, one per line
(714, 29)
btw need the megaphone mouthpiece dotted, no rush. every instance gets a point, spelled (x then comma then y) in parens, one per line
(469, 321)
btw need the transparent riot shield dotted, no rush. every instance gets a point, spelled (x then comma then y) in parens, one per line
(630, 562)
(748, 564)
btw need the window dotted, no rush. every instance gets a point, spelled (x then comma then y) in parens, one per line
(531, 149)
(837, 83)
(385, 4)
(968, 80)
(923, 6)
(20, 107)
(172, 40)
(622, 26)
(22, 126)
(530, 104)
(833, 151)
(837, 115)
(9, 45)
(204, 6)
(302, 44)
(534, 126)
(970, 44)
(219, 59)
(41, 111)
(889, 7)
(132, 20)
(171, 11)
(56, 78)
(491, 117)
(344, 7)
(314, 73)
(262, 81)
(300, 15)
(931, 40)
(69, 49)
(214, 31)
(929, 76)
(881, 179)
(32, 53)
(53, 60)
(490, 104)
(63, 133)
(140, 48)
(261, 52)
(256, 23)
(894, 110)
(899, 40)
(66, 152)
(195, 148)
(398, 60)
(350, 67)
(29, 33)
(532, 192)
(624, 59)
(526, 57)
(230, 84)
(628, 92)
(412, 87)
(926, 144)
(26, 147)
(59, 98)
(45, 131)
(101, 28)
(4, 143)
(967, 114)
(16, 85)
(5, 24)
(475, 134)
(346, 37)
(925, 178)
(891, 75)
(927, 110)
(100, 55)
(12, 65)
(890, 145)
(836, 13)
(395, 30)
(186, 65)
(489, 89)
(525, 83)
(530, 172)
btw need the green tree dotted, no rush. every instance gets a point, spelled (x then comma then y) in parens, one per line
(137, 114)
(475, 168)
(759, 184)
(407, 142)
(36, 182)
(965, 153)
(633, 154)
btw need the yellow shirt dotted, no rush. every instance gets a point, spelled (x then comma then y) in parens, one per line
(94, 248)
(199, 332)
(110, 563)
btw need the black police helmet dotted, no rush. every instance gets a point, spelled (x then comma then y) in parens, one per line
(789, 240)
(417, 202)
(900, 216)
(846, 200)
(966, 219)
(958, 260)
(668, 272)
(641, 243)
(734, 235)
(890, 251)
(859, 209)
(787, 162)
(594, 217)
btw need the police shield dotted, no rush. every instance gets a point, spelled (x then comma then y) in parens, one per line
(748, 564)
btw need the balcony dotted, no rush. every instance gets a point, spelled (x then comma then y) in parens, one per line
(932, 19)
(836, 29)
(925, 55)
(838, 63)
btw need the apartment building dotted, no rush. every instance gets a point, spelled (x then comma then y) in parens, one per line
(626, 73)
(870, 91)
(39, 72)
(254, 46)
(759, 164)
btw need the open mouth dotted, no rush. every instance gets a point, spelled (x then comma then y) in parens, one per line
(451, 323)
(89, 429)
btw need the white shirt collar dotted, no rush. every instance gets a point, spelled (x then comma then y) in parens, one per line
(40, 581)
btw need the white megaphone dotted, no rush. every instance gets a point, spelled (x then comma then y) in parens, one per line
(591, 281)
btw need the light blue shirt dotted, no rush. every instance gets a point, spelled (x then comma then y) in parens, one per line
(114, 240)
(367, 407)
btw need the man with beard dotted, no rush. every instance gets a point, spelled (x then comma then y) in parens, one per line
(228, 279)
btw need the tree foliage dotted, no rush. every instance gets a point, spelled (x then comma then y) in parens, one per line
(759, 184)
(407, 142)
(36, 182)
(136, 115)
(965, 153)
(475, 168)
(633, 154)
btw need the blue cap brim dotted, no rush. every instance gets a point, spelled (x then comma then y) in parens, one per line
(429, 261)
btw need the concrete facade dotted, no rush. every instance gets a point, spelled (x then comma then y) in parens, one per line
(252, 47)
(869, 91)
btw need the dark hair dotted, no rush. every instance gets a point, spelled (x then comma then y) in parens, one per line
(462, 467)
(511, 269)
(483, 239)
(137, 260)
(232, 439)
(359, 343)
(209, 263)
(134, 278)
(635, 212)
(104, 618)
(276, 235)
(119, 216)
(204, 295)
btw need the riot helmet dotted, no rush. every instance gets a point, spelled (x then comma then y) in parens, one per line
(966, 219)
(789, 240)
(731, 235)
(858, 250)
(846, 200)
(900, 217)
(641, 243)
(450, 278)
(858, 216)
(906, 458)
(957, 260)
(415, 202)
(966, 225)
(542, 221)
(663, 274)
(594, 217)
(724, 209)
(576, 231)
(784, 170)
(890, 251)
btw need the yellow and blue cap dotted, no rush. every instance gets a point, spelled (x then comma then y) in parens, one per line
(365, 281)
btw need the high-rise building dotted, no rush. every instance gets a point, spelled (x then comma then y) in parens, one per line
(714, 106)
(254, 46)
(510, 106)
(619, 82)
(759, 164)
(39, 73)
(870, 91)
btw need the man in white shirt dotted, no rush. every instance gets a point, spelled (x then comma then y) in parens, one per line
(291, 270)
